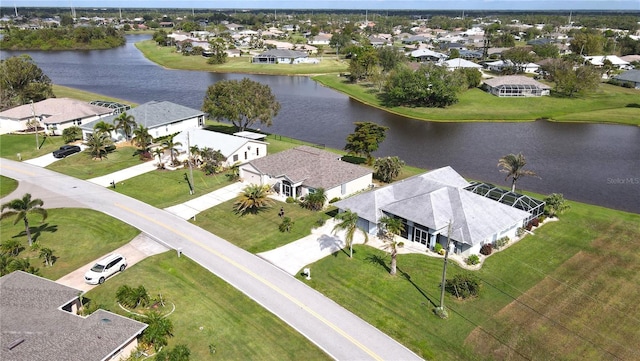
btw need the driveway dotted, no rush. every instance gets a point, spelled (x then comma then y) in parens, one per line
(141, 247)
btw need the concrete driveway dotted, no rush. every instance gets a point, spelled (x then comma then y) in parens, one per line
(135, 251)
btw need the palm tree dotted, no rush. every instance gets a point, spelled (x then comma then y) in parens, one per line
(253, 199)
(349, 224)
(97, 144)
(126, 123)
(22, 264)
(159, 329)
(21, 208)
(159, 152)
(11, 247)
(103, 127)
(172, 146)
(391, 228)
(512, 164)
(315, 201)
(47, 254)
(142, 139)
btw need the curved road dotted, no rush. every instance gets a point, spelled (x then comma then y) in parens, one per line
(338, 332)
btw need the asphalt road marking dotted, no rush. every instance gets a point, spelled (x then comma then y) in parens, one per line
(260, 279)
(18, 170)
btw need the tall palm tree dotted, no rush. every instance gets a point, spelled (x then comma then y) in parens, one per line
(126, 123)
(21, 208)
(103, 127)
(97, 144)
(512, 164)
(253, 199)
(142, 139)
(391, 228)
(172, 147)
(349, 224)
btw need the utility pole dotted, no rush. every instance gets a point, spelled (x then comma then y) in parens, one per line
(441, 311)
(190, 166)
(35, 123)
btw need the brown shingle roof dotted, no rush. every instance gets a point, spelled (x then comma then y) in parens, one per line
(56, 110)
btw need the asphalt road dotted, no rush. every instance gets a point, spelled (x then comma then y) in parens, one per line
(335, 330)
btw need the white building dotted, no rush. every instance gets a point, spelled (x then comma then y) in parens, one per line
(234, 148)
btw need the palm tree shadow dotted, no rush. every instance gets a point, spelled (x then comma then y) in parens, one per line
(333, 244)
(408, 278)
(36, 232)
(379, 260)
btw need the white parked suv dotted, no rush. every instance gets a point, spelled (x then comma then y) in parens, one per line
(105, 268)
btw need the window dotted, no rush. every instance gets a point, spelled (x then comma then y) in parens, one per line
(235, 157)
(245, 155)
(257, 151)
(343, 188)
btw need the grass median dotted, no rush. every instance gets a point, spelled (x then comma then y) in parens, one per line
(7, 185)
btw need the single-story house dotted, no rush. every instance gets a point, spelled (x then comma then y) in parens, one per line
(458, 63)
(40, 322)
(276, 56)
(471, 54)
(427, 55)
(630, 77)
(162, 118)
(516, 86)
(54, 115)
(500, 65)
(428, 203)
(321, 39)
(299, 171)
(234, 148)
(615, 61)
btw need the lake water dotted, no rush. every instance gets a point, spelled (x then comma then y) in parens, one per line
(592, 163)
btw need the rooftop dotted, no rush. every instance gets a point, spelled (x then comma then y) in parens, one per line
(56, 110)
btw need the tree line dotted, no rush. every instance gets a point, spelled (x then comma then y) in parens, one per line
(82, 37)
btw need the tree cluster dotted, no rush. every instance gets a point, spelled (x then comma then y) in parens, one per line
(94, 37)
(429, 86)
(365, 139)
(22, 81)
(571, 79)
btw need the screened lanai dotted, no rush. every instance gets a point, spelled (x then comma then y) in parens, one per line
(118, 107)
(518, 90)
(533, 206)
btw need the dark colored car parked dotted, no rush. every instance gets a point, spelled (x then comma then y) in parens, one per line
(66, 150)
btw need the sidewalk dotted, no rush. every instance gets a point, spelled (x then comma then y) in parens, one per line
(190, 208)
(124, 174)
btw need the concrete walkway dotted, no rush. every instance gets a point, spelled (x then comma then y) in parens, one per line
(190, 208)
(124, 174)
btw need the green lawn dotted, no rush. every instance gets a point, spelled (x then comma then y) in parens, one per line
(210, 312)
(7, 185)
(539, 296)
(610, 104)
(77, 237)
(166, 56)
(25, 144)
(258, 232)
(65, 92)
(83, 166)
(164, 188)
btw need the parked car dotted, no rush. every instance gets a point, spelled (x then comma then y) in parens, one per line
(66, 150)
(105, 268)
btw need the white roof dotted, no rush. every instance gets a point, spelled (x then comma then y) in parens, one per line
(461, 63)
(426, 52)
(250, 135)
(225, 143)
(599, 60)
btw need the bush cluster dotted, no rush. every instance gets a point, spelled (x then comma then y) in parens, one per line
(463, 286)
(472, 260)
(501, 242)
(486, 249)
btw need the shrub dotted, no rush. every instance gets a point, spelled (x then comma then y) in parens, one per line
(501, 242)
(542, 218)
(486, 249)
(463, 286)
(286, 225)
(520, 232)
(535, 222)
(334, 199)
(555, 204)
(438, 248)
(320, 222)
(473, 260)
(132, 297)
(290, 200)
(529, 226)
(71, 134)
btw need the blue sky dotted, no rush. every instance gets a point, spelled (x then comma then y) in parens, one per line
(343, 4)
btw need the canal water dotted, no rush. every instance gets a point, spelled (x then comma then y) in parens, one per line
(592, 163)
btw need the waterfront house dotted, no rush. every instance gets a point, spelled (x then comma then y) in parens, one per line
(53, 114)
(241, 148)
(427, 203)
(40, 322)
(515, 86)
(629, 78)
(299, 171)
(278, 56)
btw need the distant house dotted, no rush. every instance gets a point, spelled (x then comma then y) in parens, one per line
(427, 55)
(54, 115)
(427, 203)
(516, 86)
(241, 148)
(39, 321)
(277, 56)
(616, 62)
(458, 63)
(629, 78)
(299, 171)
(501, 65)
(162, 118)
(320, 39)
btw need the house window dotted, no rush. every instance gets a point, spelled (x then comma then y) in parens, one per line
(257, 151)
(245, 155)
(343, 188)
(235, 157)
(200, 121)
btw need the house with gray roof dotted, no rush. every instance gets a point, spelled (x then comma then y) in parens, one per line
(234, 148)
(54, 115)
(39, 322)
(279, 56)
(162, 118)
(299, 171)
(428, 203)
(515, 86)
(629, 78)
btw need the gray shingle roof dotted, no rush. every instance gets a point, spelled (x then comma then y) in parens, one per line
(433, 199)
(313, 167)
(629, 75)
(283, 53)
(514, 80)
(153, 114)
(30, 310)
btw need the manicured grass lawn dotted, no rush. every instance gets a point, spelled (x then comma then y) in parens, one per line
(258, 232)
(539, 296)
(166, 56)
(7, 185)
(77, 236)
(65, 92)
(164, 188)
(83, 166)
(25, 144)
(610, 104)
(210, 312)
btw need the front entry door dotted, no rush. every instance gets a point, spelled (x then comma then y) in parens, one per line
(421, 236)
